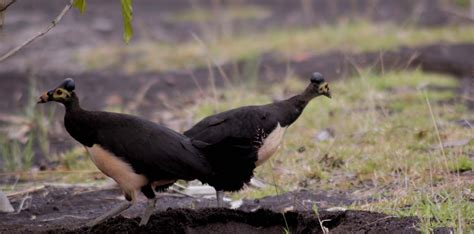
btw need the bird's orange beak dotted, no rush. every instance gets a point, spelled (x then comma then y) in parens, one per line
(43, 98)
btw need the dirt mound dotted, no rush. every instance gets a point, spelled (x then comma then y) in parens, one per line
(57, 207)
(220, 220)
(67, 210)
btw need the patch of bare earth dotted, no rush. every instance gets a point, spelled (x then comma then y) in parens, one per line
(67, 209)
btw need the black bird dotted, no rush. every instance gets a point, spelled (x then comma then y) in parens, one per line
(138, 154)
(239, 140)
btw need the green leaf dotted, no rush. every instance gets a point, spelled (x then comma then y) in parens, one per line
(81, 5)
(127, 13)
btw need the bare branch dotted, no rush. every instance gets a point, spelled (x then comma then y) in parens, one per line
(39, 34)
(8, 5)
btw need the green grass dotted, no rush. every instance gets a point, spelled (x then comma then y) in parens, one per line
(16, 155)
(27, 129)
(435, 208)
(384, 137)
(461, 164)
(345, 36)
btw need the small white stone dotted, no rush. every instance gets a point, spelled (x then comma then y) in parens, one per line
(200, 190)
(236, 204)
(257, 183)
(336, 208)
(325, 134)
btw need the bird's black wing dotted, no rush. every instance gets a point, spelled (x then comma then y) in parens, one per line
(151, 149)
(242, 126)
(230, 141)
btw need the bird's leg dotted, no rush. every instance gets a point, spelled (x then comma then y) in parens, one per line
(219, 198)
(148, 191)
(150, 206)
(116, 210)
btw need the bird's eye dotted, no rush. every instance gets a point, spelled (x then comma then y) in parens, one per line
(59, 92)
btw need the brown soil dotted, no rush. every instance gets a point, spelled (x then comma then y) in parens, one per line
(215, 220)
(66, 210)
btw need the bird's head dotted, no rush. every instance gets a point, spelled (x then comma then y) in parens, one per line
(318, 86)
(62, 93)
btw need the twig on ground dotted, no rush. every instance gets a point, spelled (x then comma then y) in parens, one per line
(65, 216)
(27, 191)
(39, 34)
(6, 6)
(22, 203)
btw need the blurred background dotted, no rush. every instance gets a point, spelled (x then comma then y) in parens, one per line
(397, 136)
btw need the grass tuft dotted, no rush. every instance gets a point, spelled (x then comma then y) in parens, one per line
(461, 164)
(345, 36)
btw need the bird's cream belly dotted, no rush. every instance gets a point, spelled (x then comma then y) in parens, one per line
(270, 144)
(117, 169)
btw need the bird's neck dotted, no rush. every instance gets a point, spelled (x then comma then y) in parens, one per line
(294, 106)
(72, 104)
(79, 123)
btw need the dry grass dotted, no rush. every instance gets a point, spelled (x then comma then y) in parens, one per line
(227, 13)
(345, 36)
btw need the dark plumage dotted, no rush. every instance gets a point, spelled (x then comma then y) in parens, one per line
(136, 153)
(153, 150)
(240, 139)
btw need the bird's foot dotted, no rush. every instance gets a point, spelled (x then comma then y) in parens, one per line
(148, 211)
(116, 210)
